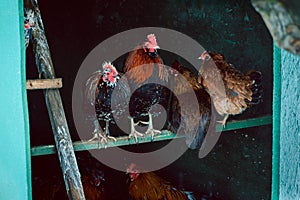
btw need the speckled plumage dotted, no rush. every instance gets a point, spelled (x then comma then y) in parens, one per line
(109, 94)
(232, 92)
(99, 94)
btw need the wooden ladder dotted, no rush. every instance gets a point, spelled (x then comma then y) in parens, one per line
(51, 86)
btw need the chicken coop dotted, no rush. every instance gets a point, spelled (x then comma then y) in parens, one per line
(46, 43)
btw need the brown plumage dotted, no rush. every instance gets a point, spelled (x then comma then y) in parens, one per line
(232, 92)
(144, 65)
(184, 118)
(140, 63)
(149, 186)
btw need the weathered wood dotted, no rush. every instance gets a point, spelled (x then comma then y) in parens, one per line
(165, 135)
(282, 21)
(58, 120)
(44, 84)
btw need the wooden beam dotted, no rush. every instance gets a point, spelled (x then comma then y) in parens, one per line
(90, 145)
(37, 84)
(55, 108)
(166, 135)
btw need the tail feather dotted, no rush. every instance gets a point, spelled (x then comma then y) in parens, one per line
(256, 87)
(91, 87)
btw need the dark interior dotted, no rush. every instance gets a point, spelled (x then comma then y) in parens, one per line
(239, 166)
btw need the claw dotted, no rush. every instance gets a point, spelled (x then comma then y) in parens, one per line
(150, 129)
(100, 136)
(106, 138)
(223, 122)
(96, 136)
(97, 132)
(133, 132)
(153, 132)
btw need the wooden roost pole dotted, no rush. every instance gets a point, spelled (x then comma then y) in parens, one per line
(55, 108)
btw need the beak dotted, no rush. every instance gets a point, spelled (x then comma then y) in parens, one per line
(152, 52)
(203, 56)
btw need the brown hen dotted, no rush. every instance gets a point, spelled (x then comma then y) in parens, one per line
(149, 186)
(232, 92)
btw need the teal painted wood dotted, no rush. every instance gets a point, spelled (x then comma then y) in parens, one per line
(15, 167)
(276, 122)
(166, 135)
(289, 170)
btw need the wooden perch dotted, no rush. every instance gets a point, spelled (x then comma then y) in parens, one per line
(282, 22)
(55, 108)
(44, 84)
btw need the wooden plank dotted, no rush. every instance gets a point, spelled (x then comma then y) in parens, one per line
(166, 135)
(55, 108)
(247, 123)
(36, 84)
(90, 145)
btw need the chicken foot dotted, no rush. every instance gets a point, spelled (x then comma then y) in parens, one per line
(223, 122)
(134, 133)
(150, 129)
(99, 135)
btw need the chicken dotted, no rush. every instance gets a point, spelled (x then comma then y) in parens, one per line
(99, 90)
(184, 118)
(149, 186)
(232, 92)
(146, 75)
(27, 31)
(53, 187)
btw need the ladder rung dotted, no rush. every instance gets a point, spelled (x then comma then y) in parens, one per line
(36, 84)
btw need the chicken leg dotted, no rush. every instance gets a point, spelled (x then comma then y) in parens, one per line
(223, 122)
(134, 133)
(98, 133)
(150, 129)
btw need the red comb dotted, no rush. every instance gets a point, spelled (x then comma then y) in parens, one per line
(152, 39)
(108, 65)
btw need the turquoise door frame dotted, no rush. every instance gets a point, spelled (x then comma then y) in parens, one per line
(276, 122)
(15, 158)
(286, 126)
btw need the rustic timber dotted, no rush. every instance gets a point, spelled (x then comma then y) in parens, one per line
(37, 84)
(56, 112)
(165, 135)
(282, 20)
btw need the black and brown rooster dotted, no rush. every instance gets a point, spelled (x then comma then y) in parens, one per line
(147, 77)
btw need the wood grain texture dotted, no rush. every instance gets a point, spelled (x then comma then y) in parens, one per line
(44, 84)
(282, 22)
(55, 108)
